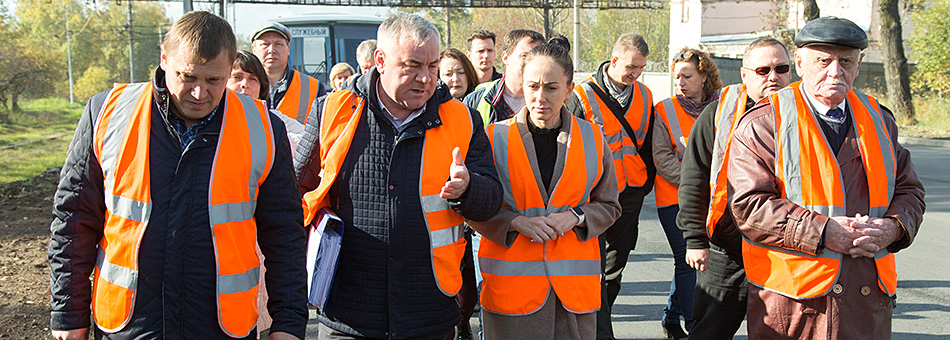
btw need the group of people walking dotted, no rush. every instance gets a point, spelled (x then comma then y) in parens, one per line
(187, 199)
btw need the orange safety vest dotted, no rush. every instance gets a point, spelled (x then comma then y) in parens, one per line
(732, 105)
(243, 159)
(294, 104)
(341, 115)
(631, 170)
(809, 175)
(517, 279)
(678, 125)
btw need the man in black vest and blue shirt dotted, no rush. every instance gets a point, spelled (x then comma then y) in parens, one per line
(401, 163)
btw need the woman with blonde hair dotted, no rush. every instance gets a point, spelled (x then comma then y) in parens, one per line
(696, 84)
(339, 74)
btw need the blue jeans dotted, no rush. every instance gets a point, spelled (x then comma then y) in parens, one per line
(683, 285)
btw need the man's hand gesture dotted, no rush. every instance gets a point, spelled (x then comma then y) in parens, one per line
(458, 177)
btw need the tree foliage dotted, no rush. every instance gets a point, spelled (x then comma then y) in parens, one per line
(99, 38)
(931, 48)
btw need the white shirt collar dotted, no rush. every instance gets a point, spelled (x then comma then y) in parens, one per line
(823, 109)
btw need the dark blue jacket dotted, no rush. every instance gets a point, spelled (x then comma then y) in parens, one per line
(384, 285)
(175, 298)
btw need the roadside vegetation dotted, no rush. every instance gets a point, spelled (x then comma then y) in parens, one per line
(36, 138)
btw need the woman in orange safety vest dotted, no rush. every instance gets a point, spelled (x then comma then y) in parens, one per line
(696, 85)
(539, 256)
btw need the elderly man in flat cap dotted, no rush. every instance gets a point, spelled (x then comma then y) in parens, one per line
(291, 92)
(824, 195)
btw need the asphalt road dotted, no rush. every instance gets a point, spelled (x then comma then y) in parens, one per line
(923, 307)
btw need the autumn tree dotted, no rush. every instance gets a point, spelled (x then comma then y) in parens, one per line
(896, 74)
(931, 47)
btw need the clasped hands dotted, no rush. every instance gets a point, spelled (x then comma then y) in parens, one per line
(545, 228)
(860, 236)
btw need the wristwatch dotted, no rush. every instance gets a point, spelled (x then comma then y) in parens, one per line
(579, 213)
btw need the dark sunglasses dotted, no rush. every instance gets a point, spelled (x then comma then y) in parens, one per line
(765, 70)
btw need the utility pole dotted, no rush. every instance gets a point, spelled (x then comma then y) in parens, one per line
(577, 35)
(186, 6)
(69, 60)
(448, 28)
(131, 47)
(221, 8)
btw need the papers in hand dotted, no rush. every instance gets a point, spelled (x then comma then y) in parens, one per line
(323, 252)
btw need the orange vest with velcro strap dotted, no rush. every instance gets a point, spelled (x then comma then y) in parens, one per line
(300, 94)
(732, 105)
(809, 175)
(678, 125)
(340, 118)
(517, 279)
(243, 159)
(629, 165)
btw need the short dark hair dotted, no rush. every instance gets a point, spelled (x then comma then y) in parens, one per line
(763, 42)
(560, 39)
(514, 36)
(479, 34)
(202, 34)
(249, 63)
(557, 53)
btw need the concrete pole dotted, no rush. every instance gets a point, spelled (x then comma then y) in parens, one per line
(186, 6)
(448, 28)
(69, 60)
(577, 35)
(131, 47)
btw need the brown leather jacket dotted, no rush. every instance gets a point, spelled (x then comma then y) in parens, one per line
(764, 217)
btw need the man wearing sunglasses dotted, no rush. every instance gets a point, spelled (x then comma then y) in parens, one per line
(720, 300)
(823, 194)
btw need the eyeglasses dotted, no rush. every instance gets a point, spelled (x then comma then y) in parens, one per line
(683, 56)
(765, 70)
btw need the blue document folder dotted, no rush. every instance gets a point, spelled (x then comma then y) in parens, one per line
(323, 253)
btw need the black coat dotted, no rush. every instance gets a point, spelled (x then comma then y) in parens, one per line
(176, 291)
(384, 285)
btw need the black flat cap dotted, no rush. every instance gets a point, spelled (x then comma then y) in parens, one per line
(271, 27)
(832, 31)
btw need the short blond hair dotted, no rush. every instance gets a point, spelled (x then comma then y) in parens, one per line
(203, 35)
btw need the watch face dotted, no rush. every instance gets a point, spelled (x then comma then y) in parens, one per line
(577, 211)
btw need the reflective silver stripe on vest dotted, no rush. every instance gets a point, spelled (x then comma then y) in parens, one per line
(883, 141)
(303, 107)
(538, 212)
(500, 150)
(231, 212)
(115, 274)
(645, 114)
(590, 156)
(618, 136)
(236, 283)
(539, 268)
(725, 116)
(788, 146)
(674, 126)
(444, 237)
(128, 208)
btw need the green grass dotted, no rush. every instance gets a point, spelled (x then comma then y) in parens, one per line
(41, 135)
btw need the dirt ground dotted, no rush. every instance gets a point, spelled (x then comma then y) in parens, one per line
(25, 215)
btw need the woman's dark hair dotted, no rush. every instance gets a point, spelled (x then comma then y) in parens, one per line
(248, 62)
(470, 76)
(560, 39)
(706, 66)
(557, 53)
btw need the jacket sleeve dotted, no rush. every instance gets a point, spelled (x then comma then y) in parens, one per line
(664, 156)
(646, 153)
(78, 218)
(307, 154)
(575, 106)
(282, 239)
(483, 195)
(694, 180)
(760, 212)
(908, 205)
